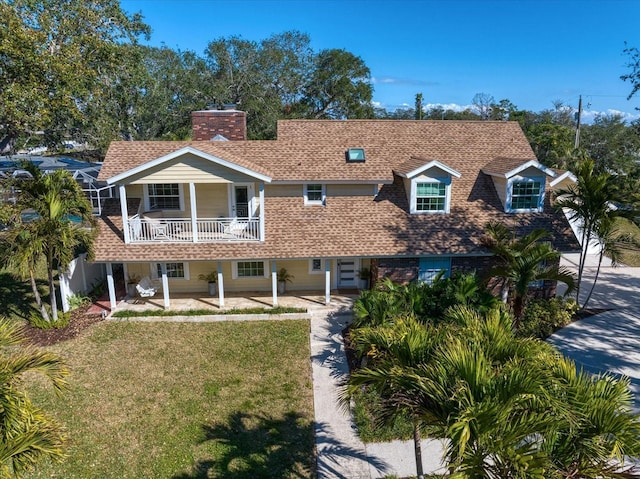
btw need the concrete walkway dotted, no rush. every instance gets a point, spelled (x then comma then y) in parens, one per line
(341, 453)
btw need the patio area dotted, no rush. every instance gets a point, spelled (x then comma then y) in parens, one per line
(309, 300)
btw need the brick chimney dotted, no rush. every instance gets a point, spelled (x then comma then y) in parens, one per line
(207, 124)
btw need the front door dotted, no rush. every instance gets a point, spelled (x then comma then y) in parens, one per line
(242, 196)
(347, 273)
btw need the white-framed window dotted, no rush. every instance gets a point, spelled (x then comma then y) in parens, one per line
(174, 270)
(164, 196)
(525, 194)
(314, 194)
(250, 269)
(430, 195)
(429, 268)
(316, 266)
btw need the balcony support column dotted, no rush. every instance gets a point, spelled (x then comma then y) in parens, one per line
(125, 213)
(274, 283)
(165, 285)
(112, 288)
(261, 190)
(327, 281)
(220, 285)
(194, 212)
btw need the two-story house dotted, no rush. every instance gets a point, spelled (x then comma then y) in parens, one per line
(406, 199)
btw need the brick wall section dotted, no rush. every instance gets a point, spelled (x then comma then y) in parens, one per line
(400, 270)
(405, 270)
(231, 124)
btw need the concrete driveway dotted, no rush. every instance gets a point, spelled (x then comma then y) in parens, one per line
(609, 341)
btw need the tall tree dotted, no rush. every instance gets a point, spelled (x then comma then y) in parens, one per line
(482, 103)
(419, 111)
(339, 87)
(265, 79)
(27, 434)
(592, 202)
(633, 76)
(62, 212)
(55, 54)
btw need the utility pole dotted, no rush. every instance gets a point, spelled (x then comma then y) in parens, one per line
(577, 142)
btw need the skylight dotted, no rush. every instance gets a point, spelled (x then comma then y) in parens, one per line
(355, 154)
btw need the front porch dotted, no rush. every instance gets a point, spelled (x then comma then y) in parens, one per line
(309, 300)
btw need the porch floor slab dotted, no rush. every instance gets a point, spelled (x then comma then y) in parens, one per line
(309, 300)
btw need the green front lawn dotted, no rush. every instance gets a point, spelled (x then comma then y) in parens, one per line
(630, 256)
(185, 400)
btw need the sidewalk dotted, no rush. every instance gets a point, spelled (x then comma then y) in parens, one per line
(341, 453)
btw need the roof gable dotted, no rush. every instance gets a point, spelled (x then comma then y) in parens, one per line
(508, 167)
(416, 166)
(182, 152)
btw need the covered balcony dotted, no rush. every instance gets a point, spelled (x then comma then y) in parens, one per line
(192, 213)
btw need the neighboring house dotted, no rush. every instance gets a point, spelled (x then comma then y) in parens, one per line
(406, 199)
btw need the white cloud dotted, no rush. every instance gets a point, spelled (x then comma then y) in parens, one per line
(589, 115)
(448, 106)
(401, 81)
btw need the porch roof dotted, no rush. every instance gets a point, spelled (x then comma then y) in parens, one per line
(349, 226)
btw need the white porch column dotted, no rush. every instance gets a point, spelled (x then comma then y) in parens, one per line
(220, 285)
(111, 286)
(274, 283)
(261, 187)
(63, 284)
(125, 272)
(165, 285)
(327, 281)
(125, 213)
(194, 212)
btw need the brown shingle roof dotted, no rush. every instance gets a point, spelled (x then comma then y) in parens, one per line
(358, 226)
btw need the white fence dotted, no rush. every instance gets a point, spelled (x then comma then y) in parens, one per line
(80, 277)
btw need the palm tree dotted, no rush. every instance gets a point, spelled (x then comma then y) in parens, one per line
(590, 202)
(56, 198)
(598, 431)
(27, 435)
(393, 349)
(22, 250)
(522, 262)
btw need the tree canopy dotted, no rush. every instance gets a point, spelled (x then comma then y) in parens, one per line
(57, 56)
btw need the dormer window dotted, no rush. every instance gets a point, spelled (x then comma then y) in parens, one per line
(525, 194)
(431, 196)
(428, 185)
(314, 194)
(520, 184)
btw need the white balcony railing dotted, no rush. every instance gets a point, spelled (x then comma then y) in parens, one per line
(143, 229)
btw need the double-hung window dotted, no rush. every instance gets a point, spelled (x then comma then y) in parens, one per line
(174, 270)
(431, 196)
(316, 266)
(250, 269)
(164, 196)
(526, 195)
(314, 194)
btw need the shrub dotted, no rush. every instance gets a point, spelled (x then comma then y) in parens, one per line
(543, 317)
(77, 300)
(39, 322)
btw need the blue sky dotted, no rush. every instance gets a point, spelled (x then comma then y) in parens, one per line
(530, 52)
